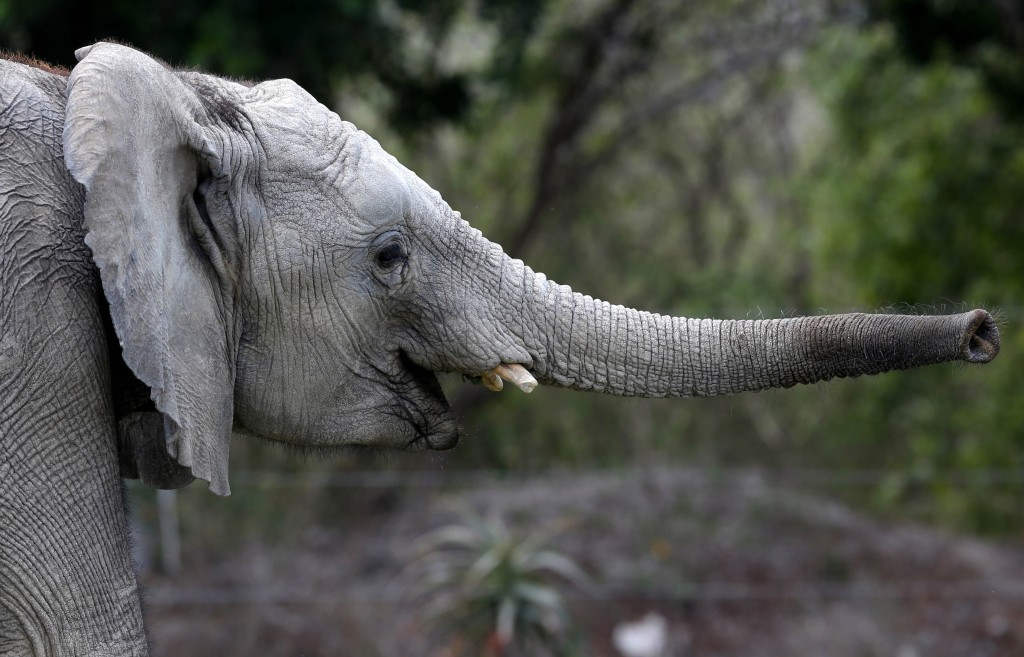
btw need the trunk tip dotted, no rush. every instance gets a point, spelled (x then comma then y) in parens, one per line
(982, 337)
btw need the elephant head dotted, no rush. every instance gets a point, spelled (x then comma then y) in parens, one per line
(269, 265)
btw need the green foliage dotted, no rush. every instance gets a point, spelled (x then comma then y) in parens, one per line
(920, 192)
(491, 591)
(317, 43)
(917, 199)
(983, 36)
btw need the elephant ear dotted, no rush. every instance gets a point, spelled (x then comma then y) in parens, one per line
(134, 136)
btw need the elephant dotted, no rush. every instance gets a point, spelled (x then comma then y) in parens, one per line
(183, 256)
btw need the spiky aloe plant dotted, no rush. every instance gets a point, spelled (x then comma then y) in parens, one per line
(492, 592)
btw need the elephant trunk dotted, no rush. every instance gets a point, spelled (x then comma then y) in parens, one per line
(586, 344)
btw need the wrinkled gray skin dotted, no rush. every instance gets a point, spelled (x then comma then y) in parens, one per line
(269, 267)
(66, 581)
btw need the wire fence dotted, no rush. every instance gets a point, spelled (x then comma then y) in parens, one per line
(788, 477)
(710, 592)
(799, 591)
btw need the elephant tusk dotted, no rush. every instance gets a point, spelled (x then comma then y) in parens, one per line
(515, 374)
(491, 381)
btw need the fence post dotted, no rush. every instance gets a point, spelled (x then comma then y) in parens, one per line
(170, 537)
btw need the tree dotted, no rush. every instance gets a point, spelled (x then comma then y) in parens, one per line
(986, 36)
(317, 43)
(918, 198)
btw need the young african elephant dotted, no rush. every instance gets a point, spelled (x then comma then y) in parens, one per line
(267, 266)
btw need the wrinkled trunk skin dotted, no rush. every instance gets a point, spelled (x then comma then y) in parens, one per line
(586, 344)
(66, 581)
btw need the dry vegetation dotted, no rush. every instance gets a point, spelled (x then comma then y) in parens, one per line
(738, 565)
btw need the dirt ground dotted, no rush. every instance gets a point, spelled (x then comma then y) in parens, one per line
(738, 567)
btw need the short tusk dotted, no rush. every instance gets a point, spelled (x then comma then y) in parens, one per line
(491, 381)
(515, 374)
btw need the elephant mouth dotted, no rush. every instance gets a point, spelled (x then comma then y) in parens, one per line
(436, 427)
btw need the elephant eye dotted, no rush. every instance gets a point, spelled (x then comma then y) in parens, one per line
(390, 255)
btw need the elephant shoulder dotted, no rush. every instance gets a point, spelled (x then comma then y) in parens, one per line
(32, 101)
(46, 273)
(40, 204)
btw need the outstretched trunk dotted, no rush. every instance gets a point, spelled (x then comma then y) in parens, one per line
(586, 344)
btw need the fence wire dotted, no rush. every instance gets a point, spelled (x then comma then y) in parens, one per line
(789, 477)
(803, 591)
(711, 592)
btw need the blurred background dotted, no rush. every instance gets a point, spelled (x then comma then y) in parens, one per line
(725, 158)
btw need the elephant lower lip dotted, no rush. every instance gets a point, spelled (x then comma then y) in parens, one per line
(418, 444)
(423, 442)
(431, 415)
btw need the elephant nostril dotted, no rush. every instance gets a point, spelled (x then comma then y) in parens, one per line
(982, 338)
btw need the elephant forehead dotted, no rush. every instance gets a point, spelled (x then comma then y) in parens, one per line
(378, 194)
(294, 133)
(304, 142)
(378, 191)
